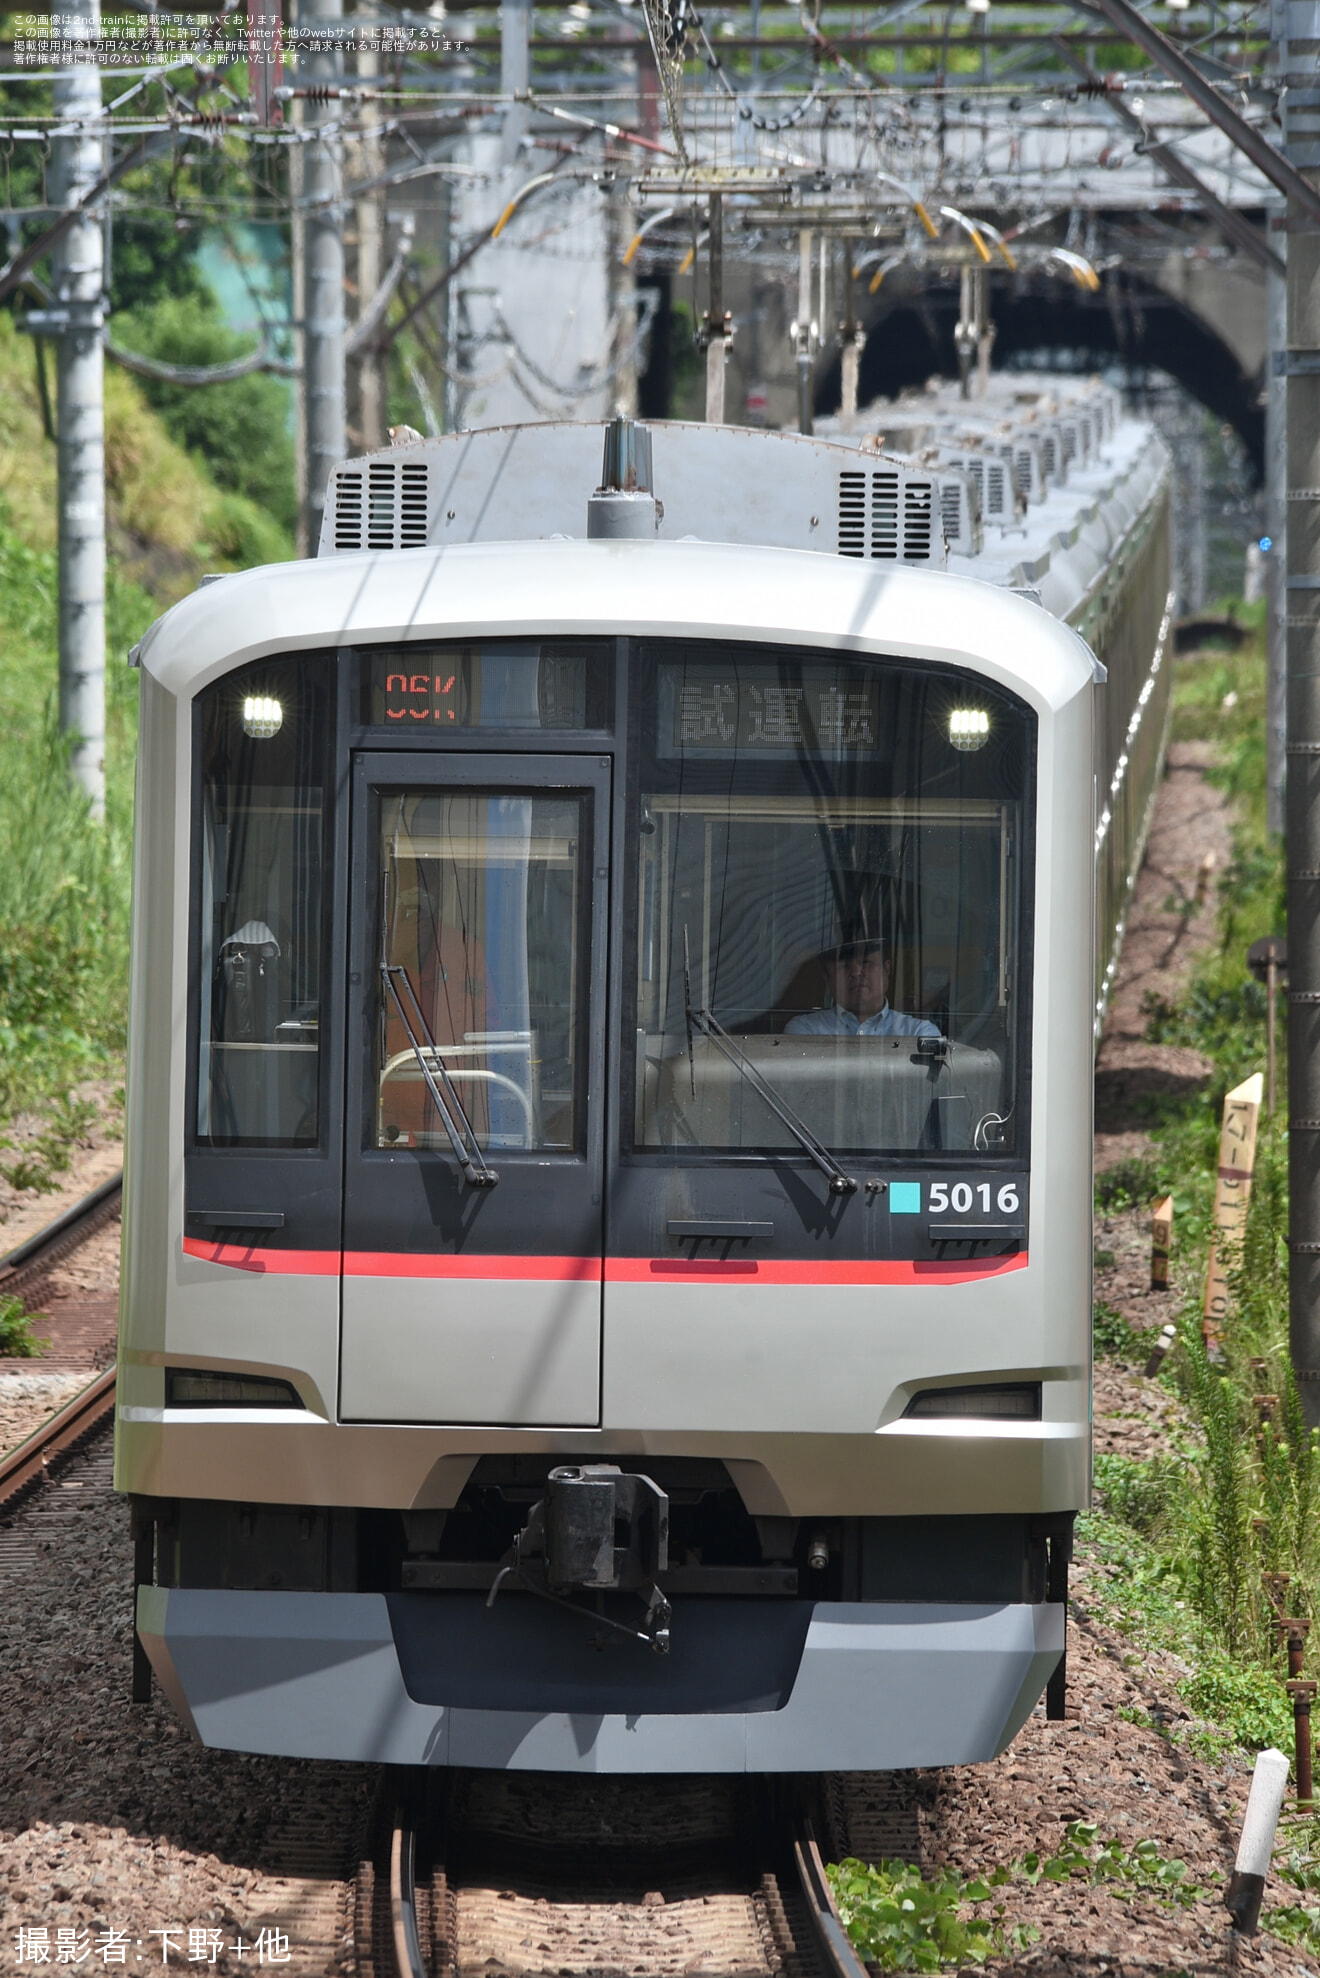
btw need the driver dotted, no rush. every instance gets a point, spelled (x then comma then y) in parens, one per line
(857, 972)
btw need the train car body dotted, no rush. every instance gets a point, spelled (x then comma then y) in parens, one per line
(606, 1274)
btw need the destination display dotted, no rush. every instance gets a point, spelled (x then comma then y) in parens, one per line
(766, 708)
(497, 684)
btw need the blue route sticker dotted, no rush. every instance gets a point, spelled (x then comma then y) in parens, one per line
(905, 1198)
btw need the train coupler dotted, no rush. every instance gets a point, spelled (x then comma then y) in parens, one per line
(598, 1529)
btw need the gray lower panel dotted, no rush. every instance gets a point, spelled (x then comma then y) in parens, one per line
(527, 1656)
(879, 1687)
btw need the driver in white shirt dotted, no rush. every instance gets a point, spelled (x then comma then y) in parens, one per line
(857, 972)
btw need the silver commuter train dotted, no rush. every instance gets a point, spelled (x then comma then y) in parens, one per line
(607, 1227)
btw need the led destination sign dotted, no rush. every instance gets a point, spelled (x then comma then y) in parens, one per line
(497, 684)
(732, 709)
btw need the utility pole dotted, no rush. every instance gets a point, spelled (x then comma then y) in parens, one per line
(620, 303)
(851, 338)
(803, 333)
(1302, 796)
(369, 364)
(323, 262)
(718, 328)
(1276, 528)
(78, 270)
(515, 75)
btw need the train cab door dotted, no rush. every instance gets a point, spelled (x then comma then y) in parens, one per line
(473, 1155)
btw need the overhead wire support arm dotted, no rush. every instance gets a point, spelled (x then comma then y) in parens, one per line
(1231, 224)
(1270, 162)
(17, 270)
(475, 1169)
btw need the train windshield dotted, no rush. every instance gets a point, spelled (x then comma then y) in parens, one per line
(828, 906)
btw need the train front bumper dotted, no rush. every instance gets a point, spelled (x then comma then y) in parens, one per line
(750, 1686)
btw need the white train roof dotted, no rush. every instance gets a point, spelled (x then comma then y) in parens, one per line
(852, 495)
(832, 539)
(650, 589)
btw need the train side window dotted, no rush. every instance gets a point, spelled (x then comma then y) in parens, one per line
(264, 737)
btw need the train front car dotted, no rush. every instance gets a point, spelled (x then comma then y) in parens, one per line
(607, 1244)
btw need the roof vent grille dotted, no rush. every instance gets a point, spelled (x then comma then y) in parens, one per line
(951, 509)
(918, 520)
(852, 515)
(960, 514)
(382, 504)
(901, 523)
(413, 502)
(348, 511)
(884, 513)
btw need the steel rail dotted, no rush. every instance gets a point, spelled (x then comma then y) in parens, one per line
(403, 1898)
(78, 1418)
(833, 1944)
(28, 1262)
(829, 1951)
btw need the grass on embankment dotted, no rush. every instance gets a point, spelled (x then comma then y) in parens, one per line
(1191, 1531)
(64, 881)
(1178, 1543)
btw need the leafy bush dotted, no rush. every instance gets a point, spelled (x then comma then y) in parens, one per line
(17, 1340)
(1130, 1185)
(1112, 1336)
(1137, 1493)
(1245, 1698)
(899, 1921)
(240, 430)
(1293, 1923)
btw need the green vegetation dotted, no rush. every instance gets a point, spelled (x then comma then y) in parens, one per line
(17, 1339)
(899, 1920)
(240, 430)
(64, 881)
(1186, 1537)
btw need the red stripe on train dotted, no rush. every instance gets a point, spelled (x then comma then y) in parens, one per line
(805, 1271)
(544, 1270)
(587, 1270)
(271, 1263)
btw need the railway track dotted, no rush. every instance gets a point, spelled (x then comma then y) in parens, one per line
(25, 1269)
(474, 1873)
(23, 1273)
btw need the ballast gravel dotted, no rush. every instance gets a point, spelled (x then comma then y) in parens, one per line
(114, 1826)
(29, 1399)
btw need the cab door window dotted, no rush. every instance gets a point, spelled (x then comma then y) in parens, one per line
(483, 976)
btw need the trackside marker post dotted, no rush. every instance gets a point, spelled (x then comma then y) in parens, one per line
(1161, 1242)
(1237, 1161)
(1246, 1887)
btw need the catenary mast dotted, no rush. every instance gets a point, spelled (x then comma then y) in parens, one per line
(78, 278)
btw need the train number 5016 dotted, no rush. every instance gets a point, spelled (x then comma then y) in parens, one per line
(960, 1195)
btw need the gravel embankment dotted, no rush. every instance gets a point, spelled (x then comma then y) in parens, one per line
(29, 1399)
(111, 1819)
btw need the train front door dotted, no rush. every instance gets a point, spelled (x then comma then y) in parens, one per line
(473, 1152)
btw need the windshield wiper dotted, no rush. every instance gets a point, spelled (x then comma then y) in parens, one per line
(475, 1169)
(702, 1021)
